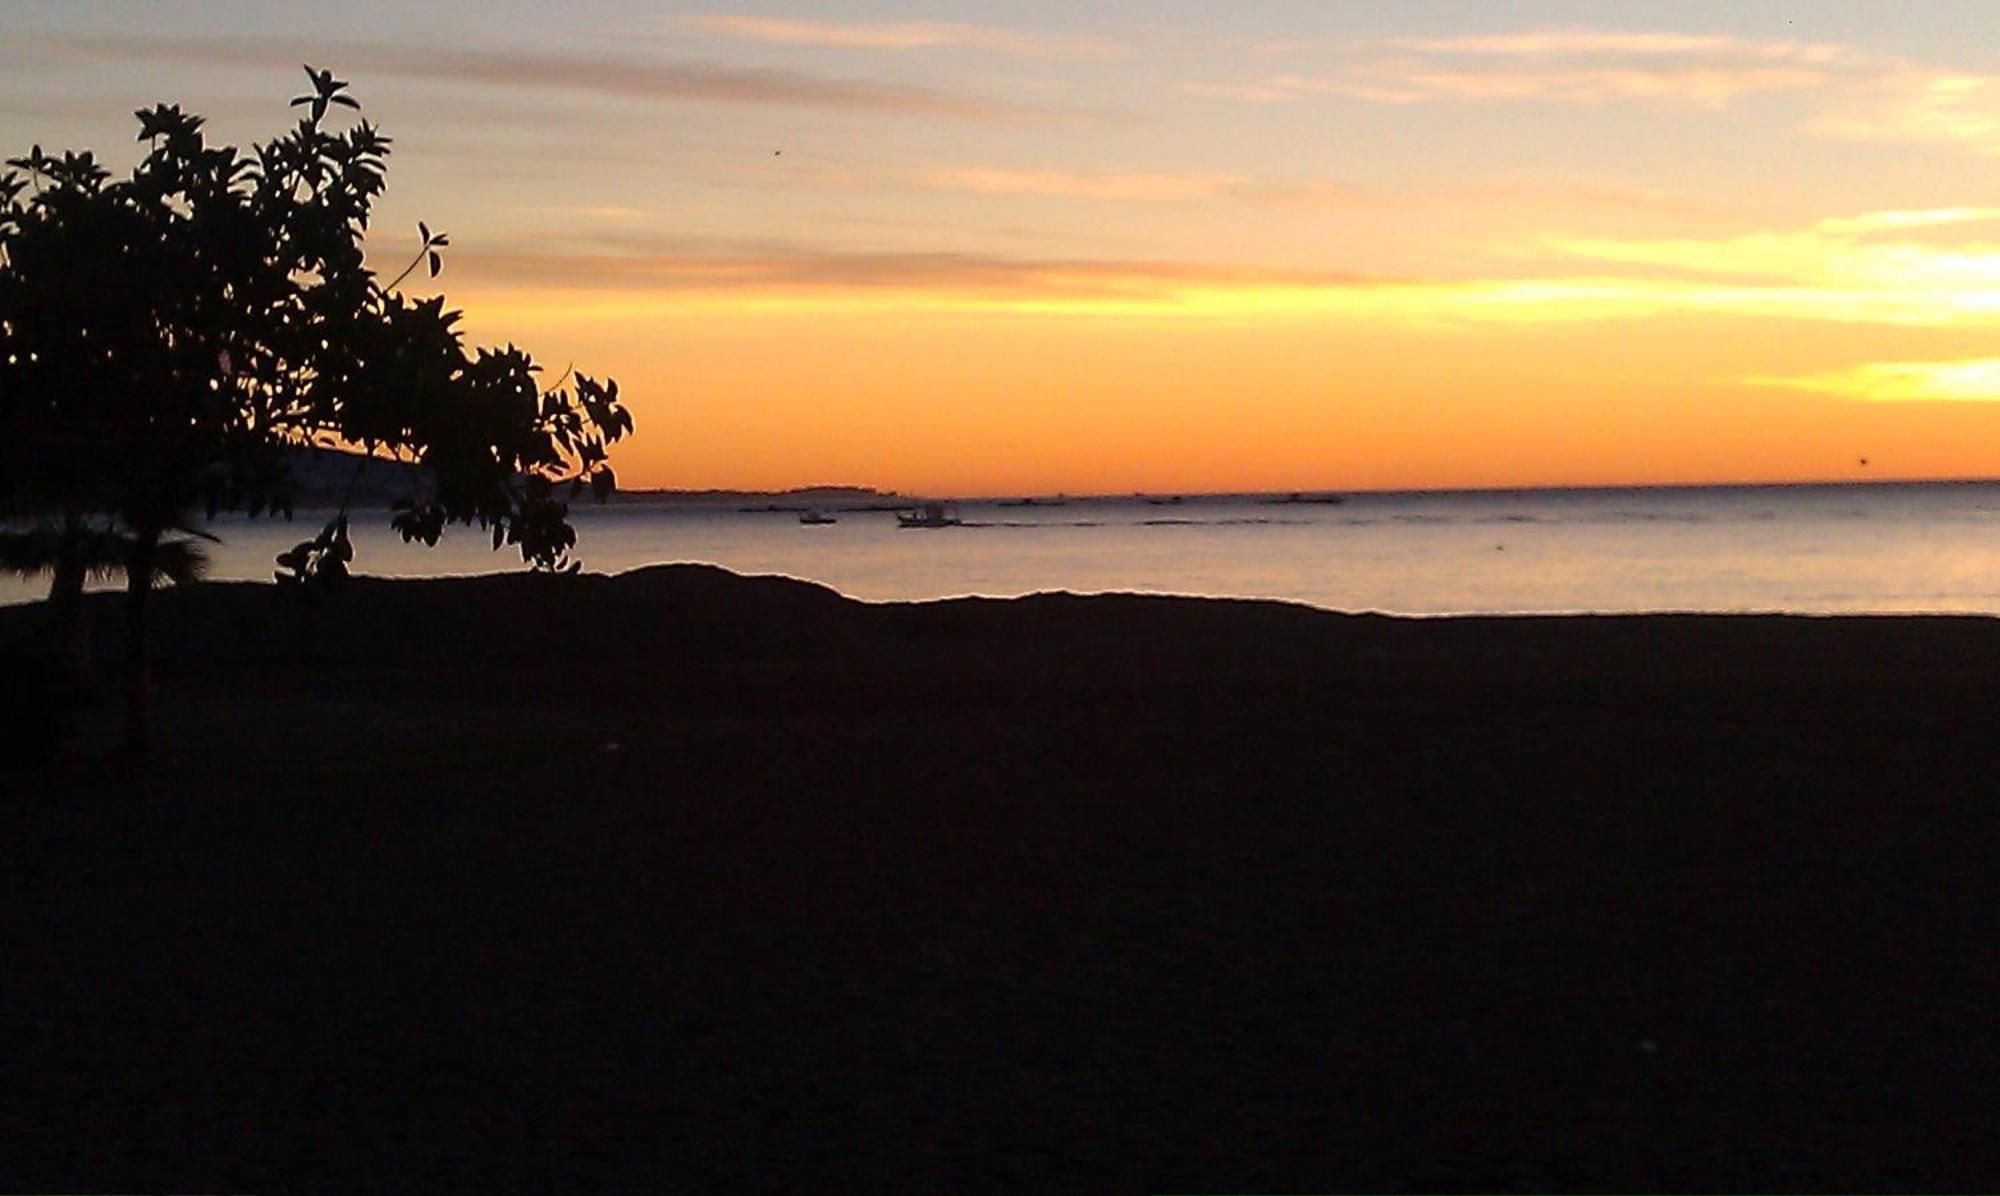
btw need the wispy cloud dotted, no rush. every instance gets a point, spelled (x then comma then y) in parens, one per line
(1857, 271)
(1910, 105)
(1597, 196)
(1697, 86)
(1975, 380)
(1881, 252)
(1302, 194)
(626, 77)
(1135, 186)
(1899, 269)
(1589, 42)
(782, 281)
(1139, 187)
(783, 269)
(903, 36)
(1249, 93)
(1905, 221)
(1563, 66)
(1096, 186)
(1849, 94)
(588, 288)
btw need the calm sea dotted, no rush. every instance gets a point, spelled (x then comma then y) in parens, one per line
(1885, 547)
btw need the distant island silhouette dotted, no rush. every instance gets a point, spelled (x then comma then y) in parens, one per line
(818, 493)
(324, 478)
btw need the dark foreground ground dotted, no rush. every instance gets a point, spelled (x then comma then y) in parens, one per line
(684, 880)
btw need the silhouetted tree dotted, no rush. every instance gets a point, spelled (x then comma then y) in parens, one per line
(167, 339)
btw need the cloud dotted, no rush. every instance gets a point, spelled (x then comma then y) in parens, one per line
(1588, 42)
(1898, 269)
(1108, 186)
(1249, 93)
(1702, 87)
(1302, 195)
(1806, 275)
(1921, 107)
(1575, 67)
(686, 267)
(1893, 252)
(1140, 187)
(904, 36)
(593, 288)
(1906, 220)
(1542, 195)
(625, 77)
(1135, 186)
(1968, 381)
(1852, 95)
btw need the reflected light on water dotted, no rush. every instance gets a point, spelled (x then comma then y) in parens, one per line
(1915, 548)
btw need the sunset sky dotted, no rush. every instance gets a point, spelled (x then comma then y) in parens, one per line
(980, 248)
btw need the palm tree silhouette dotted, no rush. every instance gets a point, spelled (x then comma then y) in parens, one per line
(73, 551)
(152, 556)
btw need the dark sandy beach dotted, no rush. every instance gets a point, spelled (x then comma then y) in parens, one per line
(681, 880)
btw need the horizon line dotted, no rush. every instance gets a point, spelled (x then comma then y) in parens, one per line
(1317, 492)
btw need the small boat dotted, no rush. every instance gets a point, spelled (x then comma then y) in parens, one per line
(813, 517)
(931, 514)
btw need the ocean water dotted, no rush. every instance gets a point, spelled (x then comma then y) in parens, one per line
(1902, 548)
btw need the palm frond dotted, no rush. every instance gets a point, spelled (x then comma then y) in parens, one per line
(179, 562)
(102, 553)
(39, 548)
(28, 553)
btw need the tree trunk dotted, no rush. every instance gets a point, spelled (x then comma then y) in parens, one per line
(69, 634)
(138, 668)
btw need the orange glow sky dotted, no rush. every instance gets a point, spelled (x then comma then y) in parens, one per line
(962, 248)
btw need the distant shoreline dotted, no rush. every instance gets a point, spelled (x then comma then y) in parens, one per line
(324, 476)
(1310, 494)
